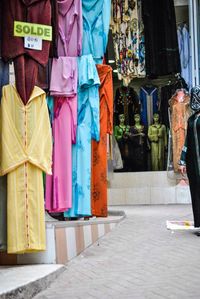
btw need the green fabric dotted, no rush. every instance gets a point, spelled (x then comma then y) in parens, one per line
(158, 138)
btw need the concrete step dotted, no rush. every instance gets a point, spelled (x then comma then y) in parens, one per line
(24, 282)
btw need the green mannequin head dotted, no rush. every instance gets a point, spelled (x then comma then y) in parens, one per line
(156, 118)
(121, 119)
(137, 118)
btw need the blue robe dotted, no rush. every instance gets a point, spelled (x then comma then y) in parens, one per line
(88, 128)
(96, 21)
(185, 54)
(149, 104)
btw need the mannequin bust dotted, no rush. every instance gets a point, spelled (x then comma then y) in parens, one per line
(138, 145)
(121, 131)
(158, 139)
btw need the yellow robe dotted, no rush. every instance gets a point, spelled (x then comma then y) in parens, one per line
(25, 151)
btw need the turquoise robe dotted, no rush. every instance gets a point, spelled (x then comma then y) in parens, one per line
(88, 128)
(96, 21)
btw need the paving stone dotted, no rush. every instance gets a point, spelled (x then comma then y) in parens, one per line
(140, 259)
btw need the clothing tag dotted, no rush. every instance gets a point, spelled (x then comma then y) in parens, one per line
(34, 43)
(31, 29)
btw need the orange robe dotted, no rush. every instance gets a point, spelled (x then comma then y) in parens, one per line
(180, 112)
(99, 149)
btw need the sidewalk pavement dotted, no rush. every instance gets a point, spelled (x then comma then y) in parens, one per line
(139, 259)
(23, 282)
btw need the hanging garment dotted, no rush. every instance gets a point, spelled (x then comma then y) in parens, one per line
(58, 195)
(50, 105)
(165, 96)
(96, 20)
(191, 157)
(158, 139)
(70, 27)
(88, 128)
(25, 60)
(127, 103)
(4, 79)
(44, 76)
(161, 44)
(180, 112)
(64, 77)
(128, 35)
(54, 23)
(32, 11)
(99, 149)
(4, 74)
(149, 104)
(26, 71)
(117, 162)
(185, 54)
(3, 213)
(26, 152)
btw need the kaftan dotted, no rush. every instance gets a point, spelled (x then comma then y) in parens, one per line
(158, 137)
(70, 28)
(25, 153)
(25, 60)
(149, 104)
(185, 54)
(58, 197)
(88, 128)
(99, 149)
(96, 20)
(180, 113)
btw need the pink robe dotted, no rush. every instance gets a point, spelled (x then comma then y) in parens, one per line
(59, 185)
(70, 27)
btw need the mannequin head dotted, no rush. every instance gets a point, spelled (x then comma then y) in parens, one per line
(180, 96)
(195, 98)
(156, 118)
(137, 118)
(121, 119)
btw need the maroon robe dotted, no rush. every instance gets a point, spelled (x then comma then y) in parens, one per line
(25, 60)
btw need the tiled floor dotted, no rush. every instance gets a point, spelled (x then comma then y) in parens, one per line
(139, 259)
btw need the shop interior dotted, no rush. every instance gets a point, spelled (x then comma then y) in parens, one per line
(138, 96)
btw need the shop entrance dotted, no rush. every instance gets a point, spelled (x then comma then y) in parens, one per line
(144, 100)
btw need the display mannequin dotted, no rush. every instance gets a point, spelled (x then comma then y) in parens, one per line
(158, 138)
(180, 112)
(138, 145)
(122, 135)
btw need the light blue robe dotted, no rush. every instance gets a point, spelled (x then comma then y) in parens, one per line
(96, 21)
(88, 128)
(185, 54)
